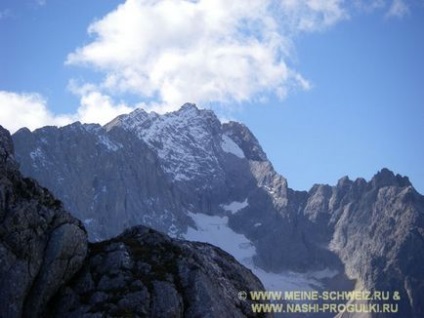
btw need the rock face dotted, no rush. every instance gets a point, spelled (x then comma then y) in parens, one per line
(161, 170)
(41, 245)
(96, 174)
(48, 269)
(376, 229)
(143, 273)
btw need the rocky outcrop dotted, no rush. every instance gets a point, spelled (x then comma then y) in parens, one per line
(41, 245)
(48, 269)
(374, 231)
(143, 273)
(379, 236)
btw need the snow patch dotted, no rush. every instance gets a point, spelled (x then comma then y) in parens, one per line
(92, 128)
(229, 146)
(235, 206)
(88, 221)
(293, 281)
(214, 230)
(180, 177)
(38, 157)
(183, 140)
(37, 154)
(110, 145)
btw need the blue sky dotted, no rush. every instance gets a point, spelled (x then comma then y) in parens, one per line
(330, 88)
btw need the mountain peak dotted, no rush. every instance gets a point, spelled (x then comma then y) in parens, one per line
(189, 106)
(386, 177)
(190, 110)
(185, 140)
(7, 151)
(6, 144)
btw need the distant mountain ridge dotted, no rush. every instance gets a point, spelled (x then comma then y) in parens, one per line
(174, 172)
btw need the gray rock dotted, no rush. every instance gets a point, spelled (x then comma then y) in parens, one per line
(154, 169)
(41, 245)
(184, 279)
(49, 270)
(166, 300)
(380, 238)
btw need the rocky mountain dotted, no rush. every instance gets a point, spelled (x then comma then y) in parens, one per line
(187, 174)
(377, 230)
(41, 245)
(48, 268)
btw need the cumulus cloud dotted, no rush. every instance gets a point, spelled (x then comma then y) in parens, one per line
(31, 109)
(202, 51)
(27, 110)
(96, 107)
(312, 15)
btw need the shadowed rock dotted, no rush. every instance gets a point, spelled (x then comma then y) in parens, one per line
(41, 245)
(143, 273)
(47, 268)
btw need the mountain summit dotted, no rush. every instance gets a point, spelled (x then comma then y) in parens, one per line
(187, 174)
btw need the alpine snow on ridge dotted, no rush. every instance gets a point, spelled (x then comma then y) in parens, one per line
(188, 175)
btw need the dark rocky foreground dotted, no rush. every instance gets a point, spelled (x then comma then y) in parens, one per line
(41, 245)
(145, 273)
(48, 269)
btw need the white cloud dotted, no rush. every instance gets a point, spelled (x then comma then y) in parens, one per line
(96, 107)
(369, 5)
(27, 110)
(202, 51)
(169, 52)
(391, 8)
(312, 15)
(31, 110)
(398, 9)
